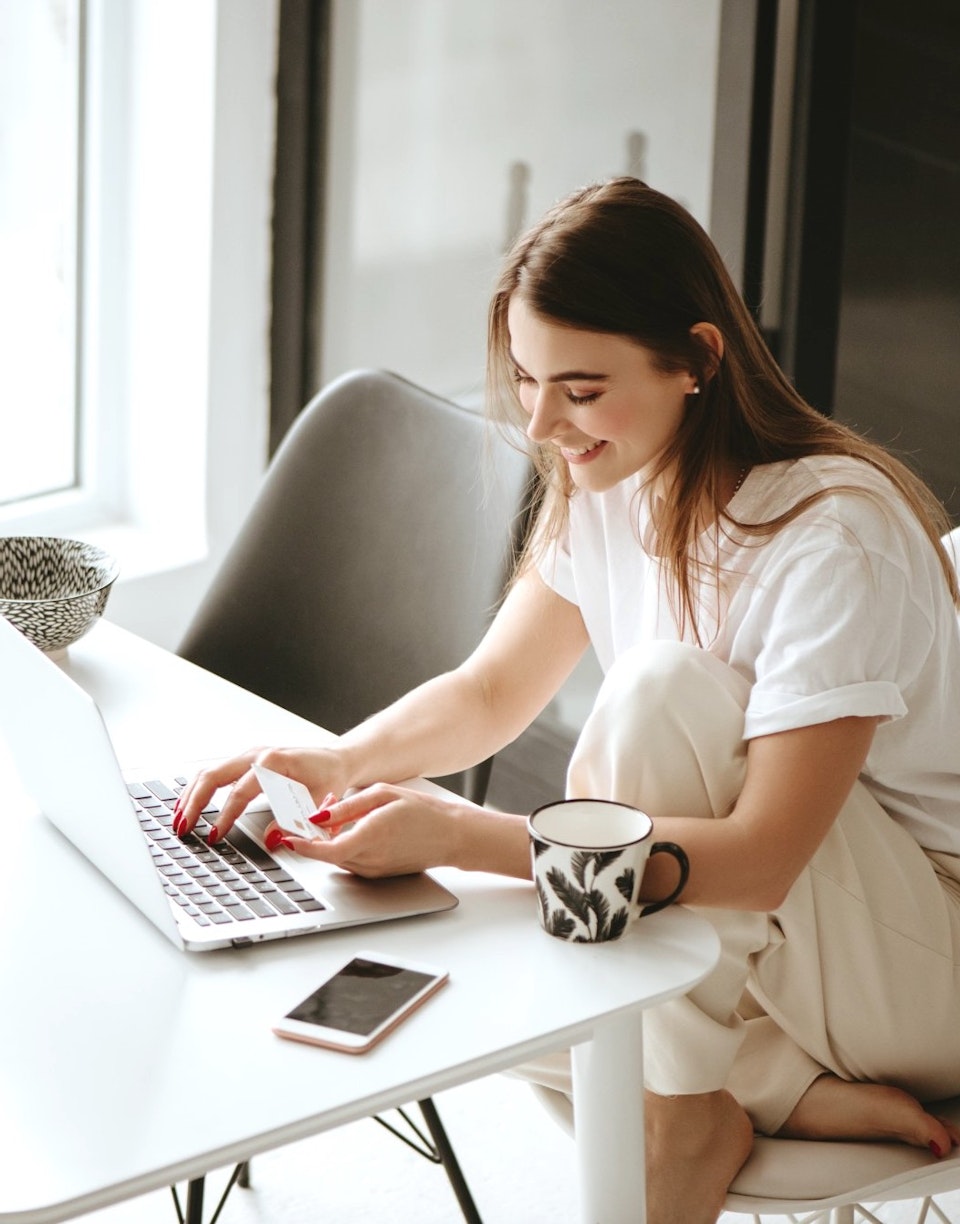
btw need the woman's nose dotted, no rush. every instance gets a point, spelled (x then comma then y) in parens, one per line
(545, 416)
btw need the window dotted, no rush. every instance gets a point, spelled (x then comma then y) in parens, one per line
(164, 417)
(40, 123)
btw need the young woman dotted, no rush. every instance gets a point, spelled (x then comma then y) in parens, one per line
(776, 618)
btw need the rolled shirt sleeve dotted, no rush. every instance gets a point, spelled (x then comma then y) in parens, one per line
(835, 633)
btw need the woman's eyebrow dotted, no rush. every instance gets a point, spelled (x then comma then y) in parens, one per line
(567, 375)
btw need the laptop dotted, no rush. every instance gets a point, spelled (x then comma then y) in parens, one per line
(231, 895)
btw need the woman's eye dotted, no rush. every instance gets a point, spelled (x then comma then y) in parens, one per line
(589, 398)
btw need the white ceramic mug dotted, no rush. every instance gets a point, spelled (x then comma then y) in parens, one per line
(589, 857)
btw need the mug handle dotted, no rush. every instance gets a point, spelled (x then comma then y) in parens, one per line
(681, 857)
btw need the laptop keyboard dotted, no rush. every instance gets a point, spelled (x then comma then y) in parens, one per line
(231, 882)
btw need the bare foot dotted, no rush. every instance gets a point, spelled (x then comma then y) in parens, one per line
(695, 1147)
(833, 1108)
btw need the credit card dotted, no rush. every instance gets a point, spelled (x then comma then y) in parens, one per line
(292, 803)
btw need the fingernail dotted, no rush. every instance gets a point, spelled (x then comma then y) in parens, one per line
(213, 836)
(935, 1148)
(177, 824)
(176, 808)
(319, 817)
(273, 839)
(286, 843)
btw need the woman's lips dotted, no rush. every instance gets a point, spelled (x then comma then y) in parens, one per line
(581, 454)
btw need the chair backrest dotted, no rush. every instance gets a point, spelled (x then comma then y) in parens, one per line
(373, 557)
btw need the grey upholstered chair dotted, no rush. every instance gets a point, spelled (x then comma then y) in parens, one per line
(373, 558)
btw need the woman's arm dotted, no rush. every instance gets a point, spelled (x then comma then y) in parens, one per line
(464, 716)
(445, 725)
(796, 783)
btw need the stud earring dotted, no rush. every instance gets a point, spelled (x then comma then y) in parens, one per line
(696, 389)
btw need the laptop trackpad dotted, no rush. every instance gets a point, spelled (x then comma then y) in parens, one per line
(351, 897)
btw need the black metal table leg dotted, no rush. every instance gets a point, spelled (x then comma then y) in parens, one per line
(193, 1213)
(449, 1161)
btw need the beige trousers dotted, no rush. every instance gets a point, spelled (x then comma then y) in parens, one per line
(857, 973)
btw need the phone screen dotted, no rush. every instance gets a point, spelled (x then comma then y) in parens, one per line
(359, 998)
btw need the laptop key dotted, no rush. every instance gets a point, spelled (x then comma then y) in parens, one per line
(261, 908)
(161, 790)
(280, 901)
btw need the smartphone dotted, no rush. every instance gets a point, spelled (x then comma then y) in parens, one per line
(291, 802)
(361, 1002)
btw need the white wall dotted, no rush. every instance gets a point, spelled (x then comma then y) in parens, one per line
(456, 124)
(202, 185)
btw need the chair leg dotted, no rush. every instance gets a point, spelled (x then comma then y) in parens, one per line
(449, 1160)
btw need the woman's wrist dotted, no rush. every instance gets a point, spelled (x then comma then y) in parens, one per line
(485, 840)
(353, 765)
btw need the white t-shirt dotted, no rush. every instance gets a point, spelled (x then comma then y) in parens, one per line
(842, 612)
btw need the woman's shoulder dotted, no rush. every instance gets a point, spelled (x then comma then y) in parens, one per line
(835, 483)
(837, 497)
(811, 474)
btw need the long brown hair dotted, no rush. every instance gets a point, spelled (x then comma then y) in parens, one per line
(621, 258)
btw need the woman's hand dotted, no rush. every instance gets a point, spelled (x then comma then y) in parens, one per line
(319, 769)
(377, 830)
(397, 831)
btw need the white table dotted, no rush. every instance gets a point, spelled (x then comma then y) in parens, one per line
(107, 1031)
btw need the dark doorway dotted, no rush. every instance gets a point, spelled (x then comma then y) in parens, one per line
(898, 342)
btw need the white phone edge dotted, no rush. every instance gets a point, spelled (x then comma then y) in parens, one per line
(358, 1043)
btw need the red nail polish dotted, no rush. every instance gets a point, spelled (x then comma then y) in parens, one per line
(319, 817)
(286, 843)
(935, 1148)
(273, 839)
(176, 807)
(213, 836)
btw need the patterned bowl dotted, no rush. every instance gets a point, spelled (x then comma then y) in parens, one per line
(53, 590)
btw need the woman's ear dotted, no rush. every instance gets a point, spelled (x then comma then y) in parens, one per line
(711, 340)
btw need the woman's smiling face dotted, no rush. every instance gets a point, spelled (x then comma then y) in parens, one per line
(597, 399)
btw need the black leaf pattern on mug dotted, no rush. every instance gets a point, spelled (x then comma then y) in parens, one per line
(626, 882)
(603, 859)
(575, 899)
(561, 924)
(586, 903)
(618, 923)
(579, 863)
(600, 908)
(539, 847)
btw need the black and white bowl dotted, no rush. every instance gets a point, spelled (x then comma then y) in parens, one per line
(53, 589)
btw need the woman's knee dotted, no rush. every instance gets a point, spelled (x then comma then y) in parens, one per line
(663, 679)
(666, 731)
